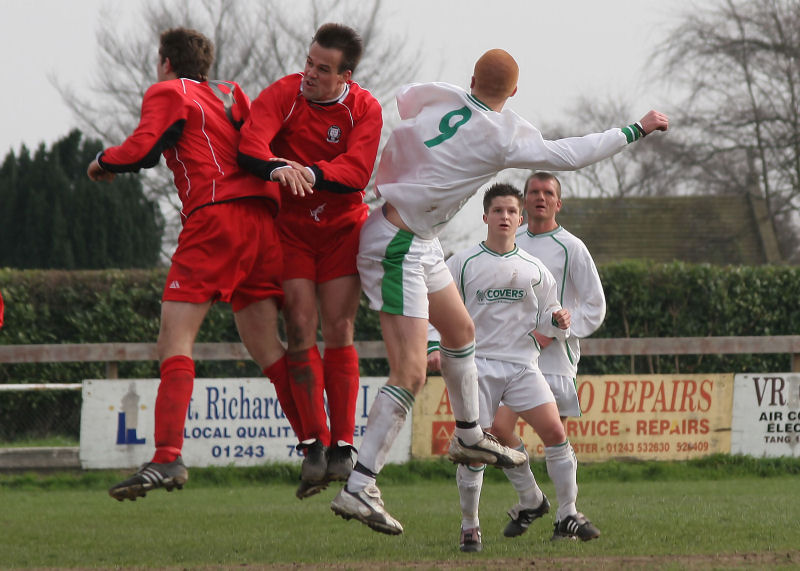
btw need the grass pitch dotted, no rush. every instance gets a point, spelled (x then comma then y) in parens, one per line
(719, 515)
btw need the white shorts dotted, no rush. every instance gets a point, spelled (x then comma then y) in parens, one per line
(399, 269)
(519, 387)
(565, 391)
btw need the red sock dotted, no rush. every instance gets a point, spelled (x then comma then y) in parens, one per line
(308, 392)
(278, 373)
(342, 385)
(172, 402)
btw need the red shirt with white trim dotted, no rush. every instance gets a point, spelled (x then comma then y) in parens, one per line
(195, 125)
(337, 139)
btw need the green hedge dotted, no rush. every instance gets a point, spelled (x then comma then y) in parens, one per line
(644, 300)
(684, 300)
(110, 306)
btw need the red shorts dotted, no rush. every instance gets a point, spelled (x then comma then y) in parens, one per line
(324, 249)
(227, 252)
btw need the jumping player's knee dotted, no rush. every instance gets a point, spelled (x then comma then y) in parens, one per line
(553, 434)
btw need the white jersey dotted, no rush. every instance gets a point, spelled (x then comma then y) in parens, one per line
(508, 296)
(449, 144)
(579, 290)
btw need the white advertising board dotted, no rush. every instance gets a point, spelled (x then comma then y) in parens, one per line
(229, 422)
(766, 415)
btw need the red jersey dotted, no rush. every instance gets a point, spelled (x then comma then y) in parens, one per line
(195, 125)
(337, 139)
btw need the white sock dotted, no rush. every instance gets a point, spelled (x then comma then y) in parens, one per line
(562, 467)
(358, 481)
(386, 417)
(524, 482)
(470, 482)
(461, 378)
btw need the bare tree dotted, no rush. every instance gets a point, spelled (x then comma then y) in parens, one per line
(740, 120)
(640, 170)
(256, 42)
(648, 168)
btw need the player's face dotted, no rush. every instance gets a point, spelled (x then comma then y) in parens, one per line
(541, 201)
(503, 216)
(322, 80)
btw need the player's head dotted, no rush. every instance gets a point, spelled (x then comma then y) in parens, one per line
(495, 75)
(502, 214)
(501, 189)
(543, 176)
(343, 39)
(542, 200)
(189, 52)
(333, 56)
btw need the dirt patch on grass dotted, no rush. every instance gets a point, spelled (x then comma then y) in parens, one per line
(770, 560)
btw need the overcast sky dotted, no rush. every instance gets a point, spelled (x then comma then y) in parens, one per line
(565, 48)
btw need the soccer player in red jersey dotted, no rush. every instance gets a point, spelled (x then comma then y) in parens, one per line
(331, 126)
(228, 248)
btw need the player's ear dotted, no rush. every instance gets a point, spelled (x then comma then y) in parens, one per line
(472, 82)
(513, 93)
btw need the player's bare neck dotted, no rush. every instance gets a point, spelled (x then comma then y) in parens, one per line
(493, 103)
(499, 244)
(542, 226)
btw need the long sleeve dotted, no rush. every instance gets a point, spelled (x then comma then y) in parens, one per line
(546, 292)
(267, 113)
(588, 302)
(160, 126)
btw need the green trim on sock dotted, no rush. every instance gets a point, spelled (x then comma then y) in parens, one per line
(458, 353)
(400, 395)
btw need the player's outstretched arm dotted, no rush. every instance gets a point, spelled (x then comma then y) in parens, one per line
(654, 121)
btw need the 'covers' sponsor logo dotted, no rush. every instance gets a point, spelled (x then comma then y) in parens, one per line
(503, 295)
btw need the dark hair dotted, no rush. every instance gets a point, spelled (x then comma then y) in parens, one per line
(544, 176)
(190, 53)
(500, 189)
(342, 38)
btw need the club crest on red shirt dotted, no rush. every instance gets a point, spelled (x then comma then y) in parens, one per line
(334, 134)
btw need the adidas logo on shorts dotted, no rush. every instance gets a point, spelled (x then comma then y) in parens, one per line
(174, 285)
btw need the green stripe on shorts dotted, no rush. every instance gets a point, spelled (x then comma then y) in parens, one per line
(392, 283)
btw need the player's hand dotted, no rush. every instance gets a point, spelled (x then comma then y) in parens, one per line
(543, 340)
(98, 173)
(654, 121)
(307, 174)
(434, 361)
(562, 317)
(293, 179)
(294, 176)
